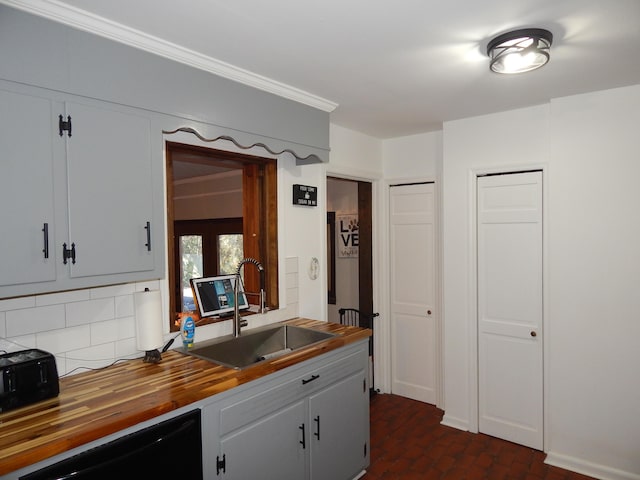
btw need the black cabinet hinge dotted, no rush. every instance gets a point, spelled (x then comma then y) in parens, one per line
(221, 464)
(365, 449)
(68, 253)
(64, 126)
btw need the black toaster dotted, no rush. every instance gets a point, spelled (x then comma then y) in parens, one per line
(28, 376)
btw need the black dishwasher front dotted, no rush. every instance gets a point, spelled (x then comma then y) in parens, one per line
(170, 449)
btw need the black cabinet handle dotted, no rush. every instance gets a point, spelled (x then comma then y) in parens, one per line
(45, 232)
(317, 433)
(148, 229)
(307, 380)
(302, 442)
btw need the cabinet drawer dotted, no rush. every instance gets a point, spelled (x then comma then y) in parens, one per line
(278, 395)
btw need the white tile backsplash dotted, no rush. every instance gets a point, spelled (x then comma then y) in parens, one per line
(127, 348)
(126, 327)
(292, 295)
(33, 320)
(64, 339)
(79, 313)
(291, 264)
(97, 356)
(19, 343)
(92, 328)
(124, 305)
(17, 303)
(62, 297)
(113, 290)
(104, 332)
(152, 285)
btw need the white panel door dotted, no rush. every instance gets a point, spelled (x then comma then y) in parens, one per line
(510, 307)
(413, 315)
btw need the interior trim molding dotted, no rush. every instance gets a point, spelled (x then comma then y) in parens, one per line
(311, 158)
(88, 22)
(587, 467)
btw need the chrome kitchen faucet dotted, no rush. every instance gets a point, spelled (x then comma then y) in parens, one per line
(237, 323)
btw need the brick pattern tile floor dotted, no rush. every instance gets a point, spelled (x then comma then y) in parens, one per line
(408, 442)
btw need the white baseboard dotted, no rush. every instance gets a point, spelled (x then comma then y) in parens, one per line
(454, 422)
(588, 468)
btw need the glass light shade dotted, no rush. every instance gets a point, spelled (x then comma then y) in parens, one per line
(520, 51)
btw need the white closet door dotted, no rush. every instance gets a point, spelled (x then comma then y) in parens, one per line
(413, 313)
(510, 307)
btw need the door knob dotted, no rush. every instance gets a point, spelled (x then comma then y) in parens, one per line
(428, 312)
(533, 333)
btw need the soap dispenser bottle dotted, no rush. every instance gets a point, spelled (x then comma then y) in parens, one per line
(188, 332)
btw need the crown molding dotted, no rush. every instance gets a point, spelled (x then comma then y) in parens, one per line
(83, 20)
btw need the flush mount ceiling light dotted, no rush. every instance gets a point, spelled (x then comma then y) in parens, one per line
(520, 51)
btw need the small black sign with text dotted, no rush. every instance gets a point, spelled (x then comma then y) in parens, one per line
(305, 195)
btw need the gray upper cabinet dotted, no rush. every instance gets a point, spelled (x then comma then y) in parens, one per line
(109, 191)
(27, 253)
(77, 198)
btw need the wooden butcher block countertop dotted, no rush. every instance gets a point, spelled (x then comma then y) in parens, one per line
(92, 405)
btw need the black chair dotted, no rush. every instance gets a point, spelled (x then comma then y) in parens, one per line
(356, 318)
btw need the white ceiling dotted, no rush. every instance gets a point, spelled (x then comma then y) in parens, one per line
(393, 68)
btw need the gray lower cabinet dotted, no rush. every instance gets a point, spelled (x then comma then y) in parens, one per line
(336, 437)
(307, 422)
(76, 193)
(275, 441)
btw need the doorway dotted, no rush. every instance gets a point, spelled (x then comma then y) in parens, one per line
(510, 308)
(349, 246)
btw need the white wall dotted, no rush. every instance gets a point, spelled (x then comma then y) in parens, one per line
(588, 147)
(355, 156)
(594, 257)
(412, 157)
(303, 231)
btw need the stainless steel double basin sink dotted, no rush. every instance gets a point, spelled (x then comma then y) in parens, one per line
(257, 345)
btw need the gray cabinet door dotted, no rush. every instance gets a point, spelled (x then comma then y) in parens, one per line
(269, 449)
(27, 249)
(109, 191)
(339, 432)
(303, 423)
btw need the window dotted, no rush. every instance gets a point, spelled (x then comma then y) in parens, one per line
(209, 246)
(191, 266)
(205, 248)
(230, 253)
